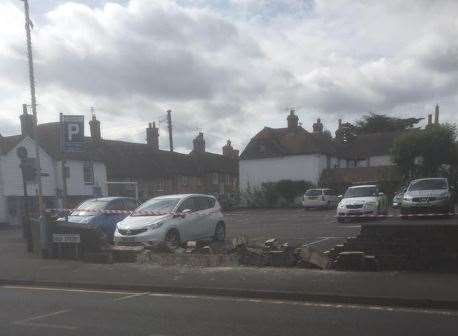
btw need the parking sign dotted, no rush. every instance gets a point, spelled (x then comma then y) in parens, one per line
(72, 133)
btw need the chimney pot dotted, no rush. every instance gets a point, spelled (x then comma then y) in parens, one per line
(94, 126)
(27, 122)
(152, 136)
(199, 143)
(430, 119)
(436, 114)
(293, 120)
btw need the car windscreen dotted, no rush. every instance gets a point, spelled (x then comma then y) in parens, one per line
(433, 184)
(361, 192)
(89, 207)
(162, 205)
(313, 192)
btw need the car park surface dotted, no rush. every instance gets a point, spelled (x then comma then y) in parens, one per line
(315, 228)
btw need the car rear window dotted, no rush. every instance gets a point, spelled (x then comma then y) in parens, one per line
(313, 192)
(433, 184)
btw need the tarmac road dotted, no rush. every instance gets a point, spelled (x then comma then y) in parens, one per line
(42, 311)
(316, 228)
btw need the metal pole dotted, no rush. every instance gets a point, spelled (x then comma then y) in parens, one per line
(35, 122)
(169, 125)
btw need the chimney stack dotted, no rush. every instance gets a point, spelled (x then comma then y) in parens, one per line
(318, 126)
(340, 123)
(94, 126)
(199, 143)
(430, 119)
(229, 151)
(293, 120)
(27, 122)
(436, 114)
(152, 136)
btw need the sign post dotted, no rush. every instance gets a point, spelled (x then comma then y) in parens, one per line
(71, 140)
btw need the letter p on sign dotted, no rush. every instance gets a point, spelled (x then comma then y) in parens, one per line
(72, 128)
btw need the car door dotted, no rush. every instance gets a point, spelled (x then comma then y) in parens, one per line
(205, 223)
(188, 225)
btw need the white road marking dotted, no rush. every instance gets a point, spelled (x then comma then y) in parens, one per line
(316, 242)
(235, 299)
(28, 321)
(349, 226)
(130, 296)
(312, 304)
(67, 290)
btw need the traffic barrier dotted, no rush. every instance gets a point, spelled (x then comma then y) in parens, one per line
(99, 211)
(399, 216)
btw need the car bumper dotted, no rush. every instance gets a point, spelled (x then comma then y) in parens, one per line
(417, 207)
(355, 212)
(314, 203)
(149, 238)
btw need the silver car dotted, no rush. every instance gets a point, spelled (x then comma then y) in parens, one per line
(173, 219)
(428, 195)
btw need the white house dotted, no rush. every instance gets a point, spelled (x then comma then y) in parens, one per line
(293, 153)
(86, 175)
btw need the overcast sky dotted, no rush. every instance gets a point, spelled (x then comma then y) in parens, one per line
(229, 67)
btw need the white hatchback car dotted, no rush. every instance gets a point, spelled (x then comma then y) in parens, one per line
(173, 219)
(320, 198)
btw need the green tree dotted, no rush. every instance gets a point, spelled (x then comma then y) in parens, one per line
(422, 152)
(373, 123)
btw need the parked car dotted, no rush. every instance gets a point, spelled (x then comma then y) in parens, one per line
(89, 215)
(320, 198)
(362, 200)
(428, 195)
(397, 199)
(173, 219)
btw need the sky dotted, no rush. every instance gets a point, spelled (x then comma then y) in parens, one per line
(228, 68)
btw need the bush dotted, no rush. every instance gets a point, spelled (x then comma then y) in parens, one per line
(276, 194)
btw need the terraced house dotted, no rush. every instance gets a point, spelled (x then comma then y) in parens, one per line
(90, 171)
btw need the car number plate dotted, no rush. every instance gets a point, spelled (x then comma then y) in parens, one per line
(355, 212)
(66, 238)
(313, 197)
(127, 239)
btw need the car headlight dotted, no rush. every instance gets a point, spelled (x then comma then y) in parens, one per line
(341, 205)
(156, 225)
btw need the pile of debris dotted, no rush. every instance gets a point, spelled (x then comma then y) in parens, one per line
(276, 254)
(239, 251)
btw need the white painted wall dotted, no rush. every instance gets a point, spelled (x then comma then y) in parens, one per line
(75, 183)
(296, 168)
(381, 160)
(12, 175)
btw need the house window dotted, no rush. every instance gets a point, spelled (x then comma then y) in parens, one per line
(184, 180)
(215, 178)
(88, 173)
(227, 179)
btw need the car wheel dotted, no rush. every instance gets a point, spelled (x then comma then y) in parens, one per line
(220, 232)
(172, 238)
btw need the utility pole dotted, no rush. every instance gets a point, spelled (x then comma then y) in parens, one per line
(169, 126)
(32, 93)
(28, 23)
